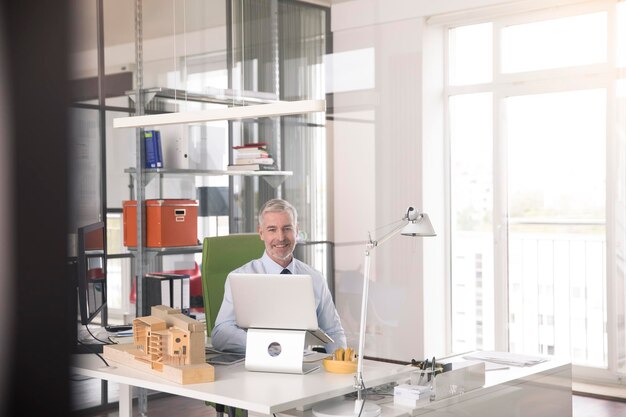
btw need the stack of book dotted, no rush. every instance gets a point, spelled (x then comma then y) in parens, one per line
(252, 157)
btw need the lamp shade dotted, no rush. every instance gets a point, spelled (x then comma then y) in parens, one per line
(421, 226)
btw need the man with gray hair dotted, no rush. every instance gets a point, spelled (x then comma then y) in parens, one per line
(278, 228)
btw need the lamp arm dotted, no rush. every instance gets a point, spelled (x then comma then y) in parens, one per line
(358, 378)
(373, 243)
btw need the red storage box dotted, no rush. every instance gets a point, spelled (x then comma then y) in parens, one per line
(168, 223)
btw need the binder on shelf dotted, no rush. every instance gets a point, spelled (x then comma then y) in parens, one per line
(154, 152)
(159, 148)
(166, 289)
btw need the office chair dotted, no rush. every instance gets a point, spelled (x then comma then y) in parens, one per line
(220, 256)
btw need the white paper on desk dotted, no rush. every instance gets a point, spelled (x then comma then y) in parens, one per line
(123, 338)
(490, 366)
(506, 358)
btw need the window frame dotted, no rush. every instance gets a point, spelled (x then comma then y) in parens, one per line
(604, 76)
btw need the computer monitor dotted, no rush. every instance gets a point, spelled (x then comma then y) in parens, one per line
(91, 271)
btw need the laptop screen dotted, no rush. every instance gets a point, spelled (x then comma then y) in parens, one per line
(269, 301)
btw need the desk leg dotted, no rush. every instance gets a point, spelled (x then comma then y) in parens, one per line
(126, 400)
(142, 401)
(232, 412)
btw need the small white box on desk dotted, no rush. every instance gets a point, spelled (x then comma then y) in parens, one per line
(410, 395)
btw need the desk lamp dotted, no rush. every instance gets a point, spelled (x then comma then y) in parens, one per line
(412, 224)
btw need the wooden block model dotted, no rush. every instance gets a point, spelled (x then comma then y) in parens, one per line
(166, 343)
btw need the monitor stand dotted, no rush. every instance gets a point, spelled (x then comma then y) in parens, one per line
(275, 350)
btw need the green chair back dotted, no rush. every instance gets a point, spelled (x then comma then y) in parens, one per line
(220, 256)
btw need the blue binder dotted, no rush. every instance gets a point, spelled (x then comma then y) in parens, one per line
(159, 149)
(154, 154)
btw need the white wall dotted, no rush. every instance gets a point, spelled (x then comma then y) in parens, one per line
(389, 154)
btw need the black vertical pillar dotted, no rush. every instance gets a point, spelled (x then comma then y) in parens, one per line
(35, 40)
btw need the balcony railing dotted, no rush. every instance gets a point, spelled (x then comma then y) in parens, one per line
(556, 288)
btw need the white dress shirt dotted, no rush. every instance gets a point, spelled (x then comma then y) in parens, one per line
(227, 336)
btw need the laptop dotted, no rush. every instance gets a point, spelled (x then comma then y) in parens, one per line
(274, 301)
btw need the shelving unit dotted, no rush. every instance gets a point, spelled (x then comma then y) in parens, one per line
(243, 105)
(142, 176)
(273, 178)
(243, 72)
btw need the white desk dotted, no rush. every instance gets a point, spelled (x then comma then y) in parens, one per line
(258, 392)
(540, 390)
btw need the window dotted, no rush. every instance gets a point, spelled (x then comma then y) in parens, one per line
(535, 192)
(471, 189)
(470, 54)
(555, 43)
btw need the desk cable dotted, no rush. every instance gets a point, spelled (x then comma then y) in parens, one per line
(94, 352)
(99, 340)
(110, 342)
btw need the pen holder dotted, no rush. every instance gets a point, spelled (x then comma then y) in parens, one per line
(427, 365)
(339, 367)
(343, 361)
(425, 377)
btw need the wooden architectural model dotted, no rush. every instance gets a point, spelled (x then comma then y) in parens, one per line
(167, 343)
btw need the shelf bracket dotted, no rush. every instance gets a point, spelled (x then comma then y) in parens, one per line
(147, 97)
(274, 181)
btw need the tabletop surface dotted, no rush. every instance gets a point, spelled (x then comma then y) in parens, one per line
(267, 393)
(261, 392)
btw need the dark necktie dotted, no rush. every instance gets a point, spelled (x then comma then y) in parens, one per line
(285, 271)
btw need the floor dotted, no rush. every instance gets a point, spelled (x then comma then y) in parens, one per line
(597, 407)
(171, 406)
